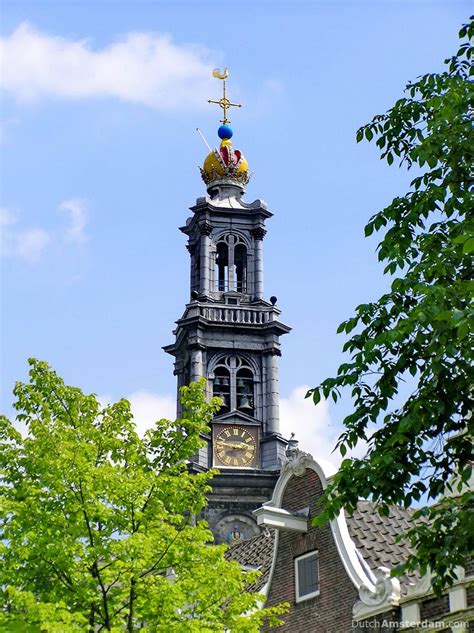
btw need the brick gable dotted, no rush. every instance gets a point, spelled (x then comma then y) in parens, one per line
(331, 611)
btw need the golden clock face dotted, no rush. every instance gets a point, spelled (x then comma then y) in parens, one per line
(235, 446)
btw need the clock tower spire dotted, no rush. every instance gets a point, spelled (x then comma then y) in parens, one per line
(230, 334)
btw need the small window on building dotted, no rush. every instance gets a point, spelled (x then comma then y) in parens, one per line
(307, 576)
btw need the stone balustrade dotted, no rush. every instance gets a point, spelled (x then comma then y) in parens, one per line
(237, 314)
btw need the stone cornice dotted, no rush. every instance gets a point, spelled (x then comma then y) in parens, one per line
(196, 346)
(272, 352)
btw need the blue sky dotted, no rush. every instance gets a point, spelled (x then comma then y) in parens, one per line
(99, 156)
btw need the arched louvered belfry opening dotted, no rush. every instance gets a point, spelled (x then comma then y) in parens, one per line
(221, 387)
(240, 268)
(245, 392)
(222, 267)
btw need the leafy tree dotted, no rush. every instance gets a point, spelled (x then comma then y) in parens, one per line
(420, 332)
(97, 525)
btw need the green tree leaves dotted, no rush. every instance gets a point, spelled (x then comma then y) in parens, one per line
(98, 526)
(419, 333)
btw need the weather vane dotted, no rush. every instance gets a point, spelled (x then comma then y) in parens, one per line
(224, 102)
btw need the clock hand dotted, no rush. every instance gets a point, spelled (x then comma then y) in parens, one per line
(227, 445)
(242, 445)
(231, 445)
(235, 445)
(238, 445)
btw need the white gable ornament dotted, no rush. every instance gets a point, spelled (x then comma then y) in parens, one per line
(382, 597)
(297, 463)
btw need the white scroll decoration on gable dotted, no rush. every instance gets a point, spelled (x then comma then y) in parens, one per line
(386, 594)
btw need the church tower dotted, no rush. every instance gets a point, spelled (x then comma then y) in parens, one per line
(230, 334)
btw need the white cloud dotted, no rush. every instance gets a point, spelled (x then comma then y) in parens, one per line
(146, 68)
(7, 217)
(311, 424)
(76, 212)
(28, 244)
(31, 243)
(148, 407)
(313, 427)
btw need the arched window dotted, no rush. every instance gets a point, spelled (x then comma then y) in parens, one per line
(245, 391)
(230, 272)
(221, 387)
(240, 268)
(222, 267)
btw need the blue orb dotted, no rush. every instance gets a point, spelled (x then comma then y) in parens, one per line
(225, 131)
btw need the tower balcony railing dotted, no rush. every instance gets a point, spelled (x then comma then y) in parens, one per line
(227, 314)
(223, 286)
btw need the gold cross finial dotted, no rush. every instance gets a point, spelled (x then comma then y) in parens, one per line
(224, 102)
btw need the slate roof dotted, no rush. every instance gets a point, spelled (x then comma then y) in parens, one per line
(373, 535)
(255, 552)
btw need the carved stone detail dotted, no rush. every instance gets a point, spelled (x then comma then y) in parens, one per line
(297, 463)
(421, 586)
(205, 228)
(191, 248)
(272, 352)
(385, 594)
(258, 233)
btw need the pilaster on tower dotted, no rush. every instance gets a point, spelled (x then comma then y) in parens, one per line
(230, 334)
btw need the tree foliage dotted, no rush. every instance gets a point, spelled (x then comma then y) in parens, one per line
(98, 526)
(418, 336)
